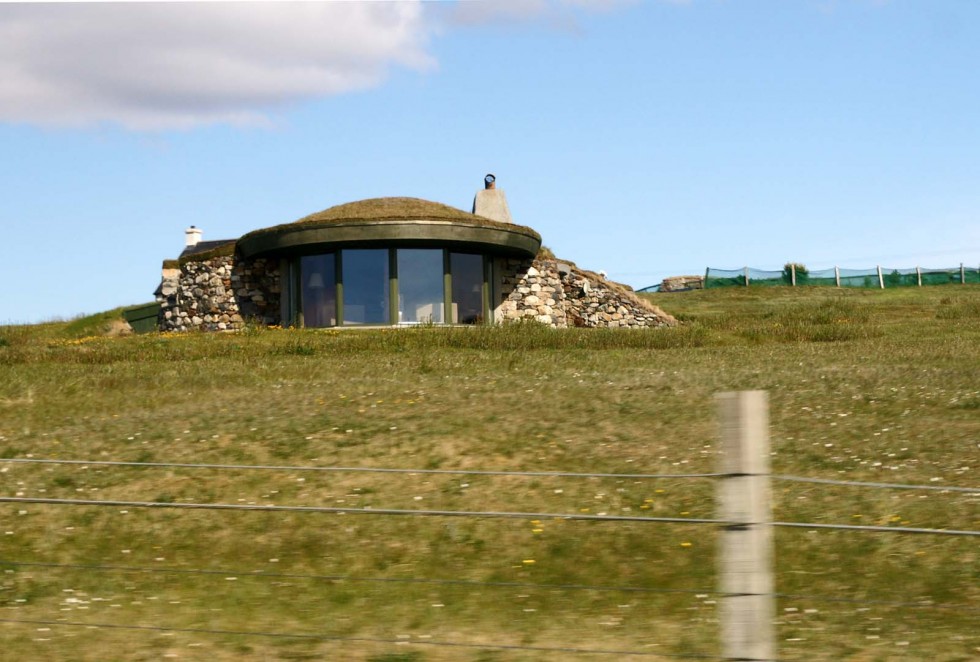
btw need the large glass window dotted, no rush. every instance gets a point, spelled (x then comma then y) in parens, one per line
(319, 286)
(467, 296)
(365, 279)
(421, 286)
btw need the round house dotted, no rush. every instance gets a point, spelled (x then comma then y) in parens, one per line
(389, 261)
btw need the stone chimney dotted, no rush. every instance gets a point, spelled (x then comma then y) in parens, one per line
(192, 236)
(491, 202)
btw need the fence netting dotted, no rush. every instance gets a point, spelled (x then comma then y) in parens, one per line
(835, 277)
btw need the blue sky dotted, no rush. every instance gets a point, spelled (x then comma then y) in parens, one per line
(648, 138)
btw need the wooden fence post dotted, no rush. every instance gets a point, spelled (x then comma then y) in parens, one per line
(881, 278)
(792, 269)
(745, 555)
(746, 276)
(918, 275)
(837, 275)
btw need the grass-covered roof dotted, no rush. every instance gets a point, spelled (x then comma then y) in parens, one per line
(394, 209)
(390, 218)
(391, 208)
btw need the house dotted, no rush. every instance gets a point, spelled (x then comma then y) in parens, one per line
(390, 262)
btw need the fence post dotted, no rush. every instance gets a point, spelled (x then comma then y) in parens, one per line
(746, 276)
(918, 275)
(962, 274)
(881, 279)
(792, 269)
(837, 275)
(745, 551)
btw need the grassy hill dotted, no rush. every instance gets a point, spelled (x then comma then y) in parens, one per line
(864, 385)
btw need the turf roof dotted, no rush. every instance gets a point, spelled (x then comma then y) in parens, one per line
(395, 209)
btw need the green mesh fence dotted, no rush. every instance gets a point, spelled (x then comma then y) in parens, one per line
(840, 277)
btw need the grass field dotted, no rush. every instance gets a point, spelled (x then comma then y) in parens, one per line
(864, 385)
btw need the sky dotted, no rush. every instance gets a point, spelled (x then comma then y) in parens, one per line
(646, 138)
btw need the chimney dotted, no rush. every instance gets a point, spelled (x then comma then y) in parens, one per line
(491, 202)
(192, 236)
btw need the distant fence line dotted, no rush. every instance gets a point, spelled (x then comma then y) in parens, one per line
(793, 275)
(878, 277)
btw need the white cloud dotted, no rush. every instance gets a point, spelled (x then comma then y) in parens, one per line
(178, 65)
(557, 13)
(500, 11)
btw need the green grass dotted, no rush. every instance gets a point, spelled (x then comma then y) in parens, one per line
(864, 385)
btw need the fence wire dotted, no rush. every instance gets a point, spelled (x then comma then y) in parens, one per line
(326, 637)
(273, 467)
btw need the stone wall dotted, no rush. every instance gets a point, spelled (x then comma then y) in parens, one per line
(562, 295)
(218, 294)
(682, 283)
(222, 293)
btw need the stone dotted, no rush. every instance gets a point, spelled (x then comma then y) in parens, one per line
(221, 291)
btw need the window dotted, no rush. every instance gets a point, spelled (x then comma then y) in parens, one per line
(365, 286)
(433, 285)
(319, 287)
(421, 286)
(466, 271)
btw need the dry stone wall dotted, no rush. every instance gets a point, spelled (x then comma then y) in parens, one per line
(222, 293)
(682, 283)
(562, 295)
(219, 294)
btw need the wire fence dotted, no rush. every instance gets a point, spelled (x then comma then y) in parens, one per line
(793, 275)
(421, 512)
(10, 562)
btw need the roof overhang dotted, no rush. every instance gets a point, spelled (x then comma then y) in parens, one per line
(308, 238)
